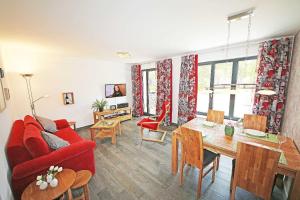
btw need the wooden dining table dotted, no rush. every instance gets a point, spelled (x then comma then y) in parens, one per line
(216, 140)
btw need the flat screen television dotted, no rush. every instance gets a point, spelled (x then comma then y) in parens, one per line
(115, 90)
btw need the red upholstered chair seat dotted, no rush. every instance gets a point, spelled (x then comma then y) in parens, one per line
(148, 125)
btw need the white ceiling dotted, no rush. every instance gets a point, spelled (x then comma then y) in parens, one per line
(148, 29)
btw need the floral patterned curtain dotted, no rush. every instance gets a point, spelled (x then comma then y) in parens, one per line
(137, 91)
(164, 87)
(273, 73)
(188, 86)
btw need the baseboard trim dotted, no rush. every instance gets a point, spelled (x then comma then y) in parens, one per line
(83, 127)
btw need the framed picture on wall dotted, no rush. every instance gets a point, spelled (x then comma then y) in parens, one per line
(68, 98)
(2, 98)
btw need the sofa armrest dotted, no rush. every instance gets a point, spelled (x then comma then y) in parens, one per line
(61, 123)
(42, 163)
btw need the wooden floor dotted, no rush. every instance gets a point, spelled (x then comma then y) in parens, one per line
(130, 170)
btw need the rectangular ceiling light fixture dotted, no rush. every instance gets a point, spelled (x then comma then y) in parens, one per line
(123, 54)
(242, 15)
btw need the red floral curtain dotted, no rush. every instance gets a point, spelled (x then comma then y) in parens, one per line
(273, 73)
(188, 86)
(164, 87)
(137, 91)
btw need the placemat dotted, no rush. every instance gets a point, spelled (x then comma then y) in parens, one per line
(282, 159)
(269, 138)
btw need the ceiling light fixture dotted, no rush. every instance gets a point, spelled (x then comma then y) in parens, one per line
(241, 15)
(266, 92)
(123, 54)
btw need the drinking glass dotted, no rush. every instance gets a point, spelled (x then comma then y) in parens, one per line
(281, 139)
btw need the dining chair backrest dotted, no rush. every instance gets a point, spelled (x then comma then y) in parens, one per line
(192, 147)
(215, 116)
(255, 168)
(256, 122)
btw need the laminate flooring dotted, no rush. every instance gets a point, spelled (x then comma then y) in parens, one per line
(133, 170)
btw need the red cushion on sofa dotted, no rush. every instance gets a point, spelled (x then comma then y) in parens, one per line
(149, 126)
(69, 135)
(16, 151)
(34, 141)
(29, 120)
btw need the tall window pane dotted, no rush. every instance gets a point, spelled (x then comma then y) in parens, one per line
(244, 98)
(221, 99)
(204, 76)
(152, 91)
(144, 74)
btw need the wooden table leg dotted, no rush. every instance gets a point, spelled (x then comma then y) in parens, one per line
(92, 134)
(174, 154)
(113, 137)
(70, 194)
(86, 192)
(295, 190)
(119, 128)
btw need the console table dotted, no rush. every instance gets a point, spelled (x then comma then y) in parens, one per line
(121, 114)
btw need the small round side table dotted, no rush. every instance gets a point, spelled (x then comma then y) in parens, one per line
(65, 179)
(82, 179)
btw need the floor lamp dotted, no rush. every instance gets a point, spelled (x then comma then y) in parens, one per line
(27, 78)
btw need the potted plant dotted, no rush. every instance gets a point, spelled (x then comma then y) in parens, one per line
(229, 129)
(98, 106)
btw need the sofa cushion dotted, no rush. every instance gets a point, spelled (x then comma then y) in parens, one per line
(34, 141)
(16, 151)
(53, 141)
(29, 120)
(69, 135)
(48, 124)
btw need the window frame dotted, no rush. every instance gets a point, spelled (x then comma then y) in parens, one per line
(147, 89)
(234, 78)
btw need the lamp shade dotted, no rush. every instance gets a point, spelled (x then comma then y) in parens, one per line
(266, 92)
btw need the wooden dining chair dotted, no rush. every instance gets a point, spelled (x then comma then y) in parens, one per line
(194, 155)
(215, 116)
(256, 122)
(255, 169)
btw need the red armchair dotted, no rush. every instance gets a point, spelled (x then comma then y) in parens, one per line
(152, 124)
(28, 156)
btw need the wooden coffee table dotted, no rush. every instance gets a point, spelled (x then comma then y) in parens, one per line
(65, 180)
(106, 128)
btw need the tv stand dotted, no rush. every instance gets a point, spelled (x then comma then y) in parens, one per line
(121, 114)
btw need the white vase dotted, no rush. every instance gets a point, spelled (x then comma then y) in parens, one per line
(43, 185)
(49, 178)
(54, 182)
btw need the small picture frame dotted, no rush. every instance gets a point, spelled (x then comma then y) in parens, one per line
(113, 107)
(68, 98)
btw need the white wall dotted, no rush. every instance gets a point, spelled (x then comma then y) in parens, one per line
(5, 126)
(291, 125)
(235, 51)
(56, 73)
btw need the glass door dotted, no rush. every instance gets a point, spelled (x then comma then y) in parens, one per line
(149, 91)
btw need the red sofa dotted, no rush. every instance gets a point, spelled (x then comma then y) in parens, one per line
(29, 155)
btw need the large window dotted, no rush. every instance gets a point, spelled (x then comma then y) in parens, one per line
(227, 85)
(149, 91)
